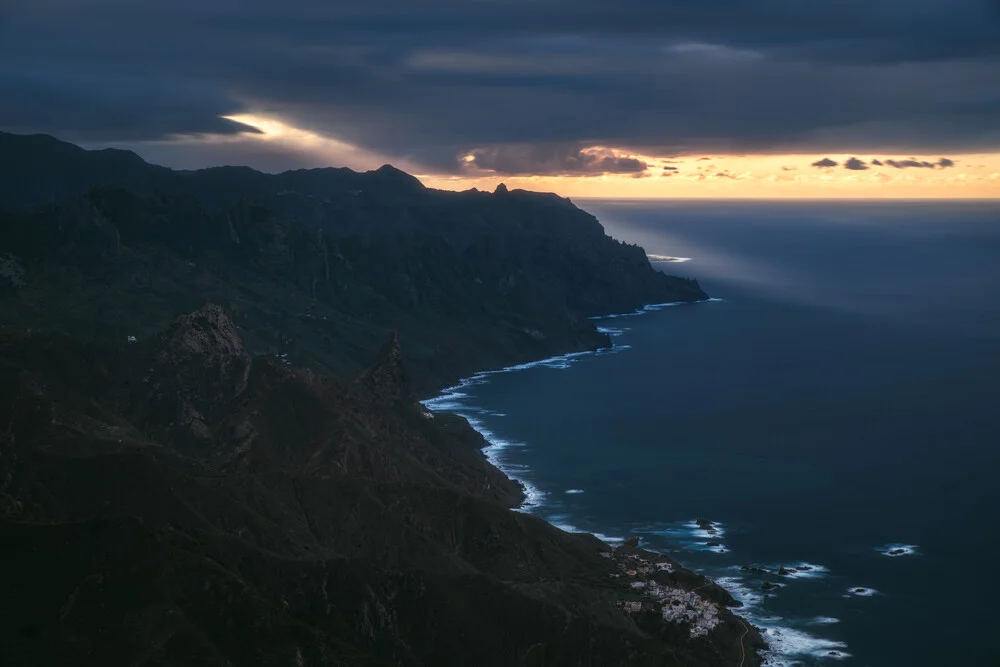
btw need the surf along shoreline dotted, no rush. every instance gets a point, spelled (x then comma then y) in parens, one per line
(449, 400)
(786, 645)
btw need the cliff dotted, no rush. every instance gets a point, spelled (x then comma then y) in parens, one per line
(316, 264)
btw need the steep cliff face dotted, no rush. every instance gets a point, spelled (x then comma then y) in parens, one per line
(322, 522)
(479, 281)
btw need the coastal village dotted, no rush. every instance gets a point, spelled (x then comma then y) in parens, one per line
(654, 590)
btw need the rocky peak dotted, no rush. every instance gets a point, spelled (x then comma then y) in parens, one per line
(202, 366)
(501, 190)
(386, 380)
(205, 333)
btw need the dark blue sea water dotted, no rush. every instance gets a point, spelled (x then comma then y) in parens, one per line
(842, 398)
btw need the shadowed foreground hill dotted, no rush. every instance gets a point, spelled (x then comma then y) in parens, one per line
(176, 502)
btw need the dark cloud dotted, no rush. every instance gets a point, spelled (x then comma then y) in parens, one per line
(854, 164)
(789, 168)
(433, 80)
(670, 169)
(553, 160)
(88, 106)
(913, 163)
(825, 162)
(877, 163)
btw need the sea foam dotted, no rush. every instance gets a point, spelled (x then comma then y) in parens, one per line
(813, 572)
(787, 645)
(861, 591)
(905, 549)
(824, 620)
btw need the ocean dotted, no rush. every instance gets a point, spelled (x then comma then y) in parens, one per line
(835, 408)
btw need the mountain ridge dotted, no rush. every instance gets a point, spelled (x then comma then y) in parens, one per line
(471, 280)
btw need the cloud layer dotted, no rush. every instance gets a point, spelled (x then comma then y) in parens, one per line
(522, 86)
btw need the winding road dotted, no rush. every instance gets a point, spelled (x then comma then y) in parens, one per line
(743, 651)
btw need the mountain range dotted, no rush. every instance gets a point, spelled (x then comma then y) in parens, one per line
(211, 447)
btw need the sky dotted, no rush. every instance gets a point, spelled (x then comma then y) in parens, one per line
(632, 98)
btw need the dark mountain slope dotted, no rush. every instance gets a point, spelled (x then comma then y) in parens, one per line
(297, 520)
(517, 287)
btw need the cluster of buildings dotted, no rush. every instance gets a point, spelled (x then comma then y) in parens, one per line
(675, 604)
(684, 606)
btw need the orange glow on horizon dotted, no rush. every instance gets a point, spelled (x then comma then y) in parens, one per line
(972, 176)
(791, 176)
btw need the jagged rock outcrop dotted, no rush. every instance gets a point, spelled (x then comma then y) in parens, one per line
(192, 373)
(386, 381)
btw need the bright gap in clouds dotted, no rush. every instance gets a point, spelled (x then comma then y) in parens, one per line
(279, 145)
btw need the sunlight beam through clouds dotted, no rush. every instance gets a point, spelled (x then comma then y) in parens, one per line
(582, 170)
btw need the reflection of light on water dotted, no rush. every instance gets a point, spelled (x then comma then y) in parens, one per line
(666, 258)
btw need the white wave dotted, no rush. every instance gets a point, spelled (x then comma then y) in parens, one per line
(742, 592)
(715, 532)
(787, 644)
(796, 572)
(574, 491)
(824, 620)
(533, 496)
(666, 258)
(652, 308)
(560, 523)
(689, 535)
(861, 591)
(896, 550)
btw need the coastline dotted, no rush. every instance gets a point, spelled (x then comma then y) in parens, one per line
(448, 401)
(786, 644)
(445, 400)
